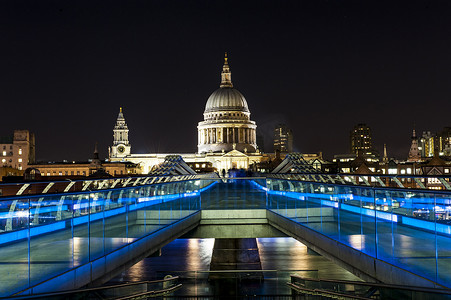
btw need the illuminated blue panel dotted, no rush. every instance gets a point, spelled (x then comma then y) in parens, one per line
(208, 186)
(418, 223)
(8, 237)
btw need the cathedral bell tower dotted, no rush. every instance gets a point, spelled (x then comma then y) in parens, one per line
(121, 147)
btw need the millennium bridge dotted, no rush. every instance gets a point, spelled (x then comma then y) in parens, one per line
(85, 232)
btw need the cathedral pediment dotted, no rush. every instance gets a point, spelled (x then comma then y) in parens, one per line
(234, 153)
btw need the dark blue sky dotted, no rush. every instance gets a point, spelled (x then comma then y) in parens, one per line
(320, 66)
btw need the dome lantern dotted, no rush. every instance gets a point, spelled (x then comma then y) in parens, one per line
(226, 75)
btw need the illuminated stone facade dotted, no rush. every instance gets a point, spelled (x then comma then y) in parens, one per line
(74, 169)
(17, 151)
(121, 146)
(227, 125)
(226, 137)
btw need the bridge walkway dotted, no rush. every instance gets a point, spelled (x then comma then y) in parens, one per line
(70, 235)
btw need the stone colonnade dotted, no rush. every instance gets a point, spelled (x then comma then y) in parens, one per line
(228, 135)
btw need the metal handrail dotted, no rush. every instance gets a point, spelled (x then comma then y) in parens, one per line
(151, 293)
(89, 290)
(329, 294)
(87, 183)
(350, 180)
(443, 290)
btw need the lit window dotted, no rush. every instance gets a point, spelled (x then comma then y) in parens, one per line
(409, 170)
(392, 171)
(403, 171)
(48, 173)
(20, 167)
(4, 153)
(60, 173)
(20, 151)
(20, 159)
(446, 171)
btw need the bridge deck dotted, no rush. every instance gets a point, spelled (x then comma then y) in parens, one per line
(41, 237)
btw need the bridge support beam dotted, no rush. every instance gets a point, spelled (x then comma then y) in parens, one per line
(235, 254)
(362, 265)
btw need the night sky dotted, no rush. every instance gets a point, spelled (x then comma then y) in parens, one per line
(319, 66)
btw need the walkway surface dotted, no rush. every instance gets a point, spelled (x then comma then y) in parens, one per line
(28, 261)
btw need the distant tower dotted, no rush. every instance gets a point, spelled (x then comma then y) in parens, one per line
(385, 158)
(121, 146)
(414, 153)
(283, 139)
(96, 163)
(360, 139)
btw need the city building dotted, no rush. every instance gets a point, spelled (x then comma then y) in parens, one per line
(283, 139)
(83, 169)
(426, 144)
(360, 139)
(430, 143)
(351, 163)
(226, 137)
(93, 168)
(18, 150)
(444, 142)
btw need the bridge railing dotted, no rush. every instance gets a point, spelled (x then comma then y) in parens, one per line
(70, 186)
(439, 182)
(410, 228)
(42, 236)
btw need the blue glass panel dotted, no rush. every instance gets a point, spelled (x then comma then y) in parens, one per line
(14, 246)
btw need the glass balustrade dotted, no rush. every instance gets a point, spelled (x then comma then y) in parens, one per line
(408, 228)
(45, 235)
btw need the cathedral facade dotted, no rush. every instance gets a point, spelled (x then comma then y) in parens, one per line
(226, 136)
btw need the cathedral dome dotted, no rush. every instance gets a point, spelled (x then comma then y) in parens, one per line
(226, 125)
(226, 99)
